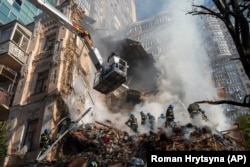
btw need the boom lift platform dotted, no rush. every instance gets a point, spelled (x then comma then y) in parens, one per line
(107, 79)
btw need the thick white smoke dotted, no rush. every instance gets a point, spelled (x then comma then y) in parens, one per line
(185, 77)
(185, 73)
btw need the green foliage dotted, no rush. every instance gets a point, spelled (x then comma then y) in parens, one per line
(3, 140)
(244, 122)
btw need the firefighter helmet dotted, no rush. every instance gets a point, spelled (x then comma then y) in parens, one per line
(171, 106)
(46, 131)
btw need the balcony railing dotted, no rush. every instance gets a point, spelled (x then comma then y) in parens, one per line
(5, 98)
(13, 50)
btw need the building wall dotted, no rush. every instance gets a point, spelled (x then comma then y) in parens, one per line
(147, 33)
(228, 74)
(111, 15)
(20, 10)
(54, 83)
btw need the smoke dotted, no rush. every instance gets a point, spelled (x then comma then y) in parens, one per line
(185, 72)
(185, 78)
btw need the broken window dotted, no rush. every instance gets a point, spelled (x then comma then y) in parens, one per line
(50, 42)
(30, 136)
(42, 81)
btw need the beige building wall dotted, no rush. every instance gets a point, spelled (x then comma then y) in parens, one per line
(54, 83)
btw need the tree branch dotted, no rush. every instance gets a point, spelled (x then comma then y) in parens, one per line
(210, 12)
(246, 102)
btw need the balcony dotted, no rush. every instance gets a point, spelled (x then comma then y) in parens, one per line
(4, 104)
(7, 81)
(12, 56)
(14, 42)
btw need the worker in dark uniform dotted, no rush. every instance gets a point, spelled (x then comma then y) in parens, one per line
(44, 142)
(143, 118)
(151, 119)
(204, 117)
(169, 115)
(132, 123)
(64, 125)
(193, 109)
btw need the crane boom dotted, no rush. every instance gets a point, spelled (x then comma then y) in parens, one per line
(108, 78)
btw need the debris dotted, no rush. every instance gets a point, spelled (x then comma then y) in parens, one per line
(113, 147)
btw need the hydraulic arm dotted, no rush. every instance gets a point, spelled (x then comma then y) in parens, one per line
(107, 78)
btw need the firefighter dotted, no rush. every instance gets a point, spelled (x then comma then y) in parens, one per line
(132, 123)
(169, 115)
(64, 125)
(44, 142)
(161, 119)
(151, 119)
(162, 116)
(125, 137)
(143, 118)
(204, 117)
(193, 109)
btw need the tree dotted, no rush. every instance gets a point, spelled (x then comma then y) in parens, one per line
(244, 123)
(236, 16)
(3, 140)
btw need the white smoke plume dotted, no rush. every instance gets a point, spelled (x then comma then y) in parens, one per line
(185, 72)
(185, 78)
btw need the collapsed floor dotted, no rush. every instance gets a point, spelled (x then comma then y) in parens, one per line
(109, 146)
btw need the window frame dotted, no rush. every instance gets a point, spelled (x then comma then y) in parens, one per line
(23, 37)
(42, 81)
(31, 134)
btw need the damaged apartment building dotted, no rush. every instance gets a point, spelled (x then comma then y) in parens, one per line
(43, 69)
(46, 74)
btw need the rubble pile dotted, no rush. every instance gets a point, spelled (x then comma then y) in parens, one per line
(108, 146)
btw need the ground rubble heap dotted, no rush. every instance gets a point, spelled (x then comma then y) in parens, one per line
(104, 144)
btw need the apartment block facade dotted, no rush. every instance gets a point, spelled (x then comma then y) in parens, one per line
(228, 73)
(14, 53)
(147, 32)
(54, 82)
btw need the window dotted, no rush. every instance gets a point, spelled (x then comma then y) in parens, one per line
(42, 81)
(24, 44)
(19, 2)
(49, 43)
(31, 134)
(21, 39)
(17, 37)
(5, 35)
